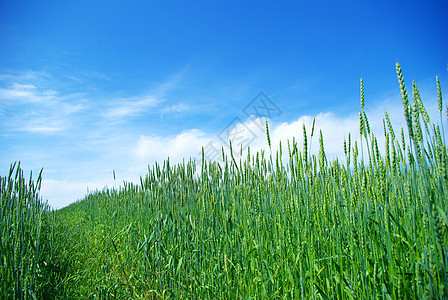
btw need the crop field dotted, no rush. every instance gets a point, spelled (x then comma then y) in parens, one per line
(371, 226)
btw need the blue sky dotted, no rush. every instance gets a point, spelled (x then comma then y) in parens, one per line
(88, 87)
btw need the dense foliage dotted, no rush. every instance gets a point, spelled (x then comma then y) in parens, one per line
(29, 265)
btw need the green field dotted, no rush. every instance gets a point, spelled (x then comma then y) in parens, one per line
(373, 226)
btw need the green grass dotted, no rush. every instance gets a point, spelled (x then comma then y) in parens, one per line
(29, 265)
(373, 226)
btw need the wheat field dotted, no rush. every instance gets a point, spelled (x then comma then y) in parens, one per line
(370, 226)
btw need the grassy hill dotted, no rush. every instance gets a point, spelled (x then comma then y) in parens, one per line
(371, 227)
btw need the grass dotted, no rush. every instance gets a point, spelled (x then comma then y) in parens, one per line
(373, 226)
(29, 266)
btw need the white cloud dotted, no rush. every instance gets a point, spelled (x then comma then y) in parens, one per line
(176, 108)
(172, 83)
(21, 94)
(60, 193)
(26, 76)
(28, 107)
(95, 74)
(184, 145)
(124, 108)
(335, 130)
(43, 129)
(25, 88)
(248, 133)
(19, 86)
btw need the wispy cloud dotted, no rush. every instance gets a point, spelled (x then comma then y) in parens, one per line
(37, 102)
(27, 106)
(96, 74)
(176, 108)
(118, 110)
(172, 83)
(43, 127)
(23, 76)
(25, 93)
